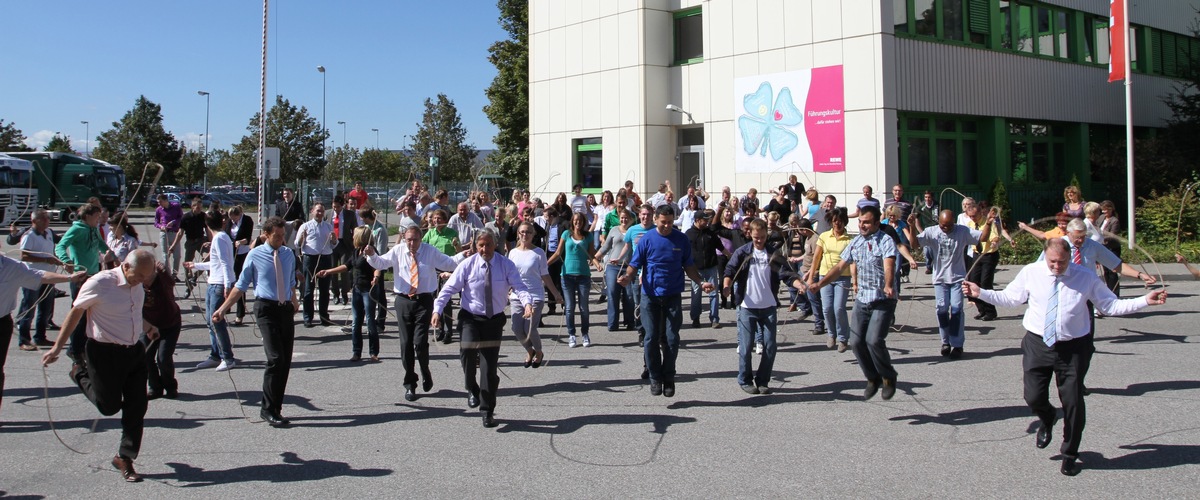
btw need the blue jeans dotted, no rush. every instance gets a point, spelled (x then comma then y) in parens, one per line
(661, 317)
(928, 258)
(575, 291)
(364, 308)
(616, 292)
(42, 300)
(814, 301)
(951, 320)
(218, 333)
(711, 275)
(868, 338)
(833, 300)
(749, 323)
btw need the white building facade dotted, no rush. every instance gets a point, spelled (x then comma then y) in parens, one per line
(934, 93)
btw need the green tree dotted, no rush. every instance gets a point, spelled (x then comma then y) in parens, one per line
(191, 168)
(508, 95)
(139, 138)
(59, 144)
(343, 163)
(11, 138)
(297, 135)
(237, 167)
(441, 134)
(381, 165)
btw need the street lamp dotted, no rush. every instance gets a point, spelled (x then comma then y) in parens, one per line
(204, 157)
(376, 137)
(677, 109)
(324, 132)
(87, 132)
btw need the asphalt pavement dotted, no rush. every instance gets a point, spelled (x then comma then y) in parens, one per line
(585, 424)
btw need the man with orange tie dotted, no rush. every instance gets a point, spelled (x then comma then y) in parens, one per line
(484, 280)
(1060, 340)
(415, 266)
(271, 268)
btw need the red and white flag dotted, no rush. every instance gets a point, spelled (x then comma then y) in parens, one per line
(1118, 30)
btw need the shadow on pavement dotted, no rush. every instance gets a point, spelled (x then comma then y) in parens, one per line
(572, 424)
(1132, 336)
(1141, 389)
(293, 469)
(969, 416)
(1146, 456)
(966, 356)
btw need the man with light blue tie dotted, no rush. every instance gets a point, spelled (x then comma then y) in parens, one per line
(1060, 340)
(484, 280)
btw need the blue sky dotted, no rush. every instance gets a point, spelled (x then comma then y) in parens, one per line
(70, 61)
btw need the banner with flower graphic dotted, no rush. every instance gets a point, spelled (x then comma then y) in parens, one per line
(791, 121)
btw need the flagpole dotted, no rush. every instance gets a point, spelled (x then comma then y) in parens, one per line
(1129, 195)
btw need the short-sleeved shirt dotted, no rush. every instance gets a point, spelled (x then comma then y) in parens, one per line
(575, 258)
(316, 238)
(114, 307)
(831, 251)
(947, 249)
(441, 239)
(531, 264)
(868, 253)
(14, 276)
(635, 233)
(662, 260)
(40, 245)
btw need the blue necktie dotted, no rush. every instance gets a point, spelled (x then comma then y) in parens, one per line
(487, 290)
(1050, 334)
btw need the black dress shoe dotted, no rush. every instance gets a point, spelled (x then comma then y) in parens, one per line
(125, 465)
(326, 322)
(151, 395)
(1044, 434)
(426, 382)
(656, 389)
(410, 393)
(979, 316)
(1069, 467)
(889, 389)
(440, 335)
(871, 389)
(668, 389)
(696, 323)
(488, 421)
(273, 419)
(956, 352)
(171, 394)
(472, 401)
(945, 350)
(988, 317)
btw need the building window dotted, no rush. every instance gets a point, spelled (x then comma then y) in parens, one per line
(689, 36)
(1037, 152)
(589, 163)
(966, 21)
(938, 150)
(1172, 54)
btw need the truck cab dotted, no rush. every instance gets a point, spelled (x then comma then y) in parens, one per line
(66, 181)
(18, 191)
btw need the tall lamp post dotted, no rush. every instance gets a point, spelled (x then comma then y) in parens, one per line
(343, 124)
(376, 137)
(87, 131)
(204, 157)
(324, 131)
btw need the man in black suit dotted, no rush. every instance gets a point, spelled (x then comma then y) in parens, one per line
(292, 212)
(344, 219)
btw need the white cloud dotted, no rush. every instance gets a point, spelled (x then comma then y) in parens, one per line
(193, 140)
(38, 140)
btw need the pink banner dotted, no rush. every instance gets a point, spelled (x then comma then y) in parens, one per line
(823, 120)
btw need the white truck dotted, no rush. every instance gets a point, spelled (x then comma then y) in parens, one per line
(18, 189)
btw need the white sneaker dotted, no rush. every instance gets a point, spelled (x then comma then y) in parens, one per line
(758, 348)
(226, 365)
(207, 363)
(571, 341)
(587, 342)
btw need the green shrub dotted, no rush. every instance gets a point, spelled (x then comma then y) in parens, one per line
(1159, 221)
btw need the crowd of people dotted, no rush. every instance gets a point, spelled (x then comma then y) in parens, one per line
(529, 257)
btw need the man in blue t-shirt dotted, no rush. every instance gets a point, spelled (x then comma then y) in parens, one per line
(663, 255)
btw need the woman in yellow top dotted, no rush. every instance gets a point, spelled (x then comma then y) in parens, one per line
(987, 256)
(833, 297)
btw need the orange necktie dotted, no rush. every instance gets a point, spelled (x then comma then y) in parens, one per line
(414, 276)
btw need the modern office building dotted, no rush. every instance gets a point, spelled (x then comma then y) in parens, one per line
(842, 93)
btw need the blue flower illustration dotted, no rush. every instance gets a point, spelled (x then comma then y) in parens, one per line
(763, 126)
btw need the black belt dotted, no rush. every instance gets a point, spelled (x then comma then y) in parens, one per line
(100, 343)
(271, 301)
(414, 296)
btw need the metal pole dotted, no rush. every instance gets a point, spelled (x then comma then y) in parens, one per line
(1129, 203)
(262, 125)
(324, 130)
(87, 132)
(376, 137)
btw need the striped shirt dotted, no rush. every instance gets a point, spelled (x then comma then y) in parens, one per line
(868, 254)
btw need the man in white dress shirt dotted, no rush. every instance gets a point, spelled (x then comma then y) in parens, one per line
(1059, 341)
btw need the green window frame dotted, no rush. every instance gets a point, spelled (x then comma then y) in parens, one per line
(688, 36)
(1037, 152)
(1172, 54)
(589, 165)
(952, 21)
(938, 150)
